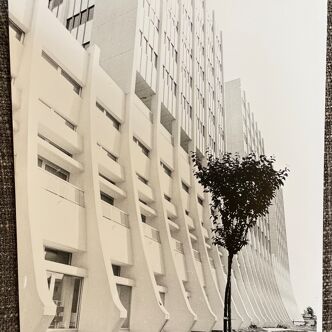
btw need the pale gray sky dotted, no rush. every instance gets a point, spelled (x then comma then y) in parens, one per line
(277, 48)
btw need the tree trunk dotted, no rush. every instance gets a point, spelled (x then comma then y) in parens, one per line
(9, 312)
(228, 297)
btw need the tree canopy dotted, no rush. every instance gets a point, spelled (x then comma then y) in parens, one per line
(242, 189)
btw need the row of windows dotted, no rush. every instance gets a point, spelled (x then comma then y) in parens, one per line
(53, 169)
(148, 50)
(170, 81)
(142, 179)
(76, 87)
(80, 18)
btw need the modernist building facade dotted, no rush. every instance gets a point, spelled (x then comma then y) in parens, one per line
(109, 99)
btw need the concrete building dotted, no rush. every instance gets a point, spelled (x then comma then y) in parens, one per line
(267, 250)
(113, 228)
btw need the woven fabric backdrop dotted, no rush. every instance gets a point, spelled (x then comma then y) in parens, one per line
(9, 309)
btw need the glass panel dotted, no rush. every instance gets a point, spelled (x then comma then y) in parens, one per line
(66, 296)
(57, 256)
(62, 174)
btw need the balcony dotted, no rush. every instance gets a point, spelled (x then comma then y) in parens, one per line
(147, 210)
(153, 248)
(109, 167)
(170, 209)
(197, 255)
(189, 222)
(144, 191)
(58, 157)
(205, 232)
(180, 260)
(113, 213)
(116, 235)
(61, 188)
(151, 232)
(52, 125)
(60, 213)
(111, 189)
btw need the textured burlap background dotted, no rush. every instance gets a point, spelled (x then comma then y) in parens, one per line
(9, 310)
(327, 231)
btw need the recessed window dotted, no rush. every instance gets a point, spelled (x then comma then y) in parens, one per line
(143, 218)
(116, 123)
(144, 149)
(166, 169)
(106, 178)
(200, 200)
(58, 256)
(145, 181)
(55, 145)
(106, 198)
(76, 86)
(116, 270)
(19, 33)
(109, 154)
(167, 197)
(185, 187)
(53, 169)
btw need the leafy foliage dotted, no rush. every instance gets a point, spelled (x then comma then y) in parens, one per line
(242, 189)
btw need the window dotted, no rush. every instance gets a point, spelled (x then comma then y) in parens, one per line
(76, 87)
(186, 212)
(116, 123)
(109, 154)
(54, 6)
(166, 169)
(116, 270)
(200, 201)
(106, 178)
(167, 197)
(155, 60)
(185, 187)
(58, 256)
(145, 181)
(106, 198)
(66, 293)
(53, 169)
(19, 33)
(143, 218)
(55, 145)
(144, 149)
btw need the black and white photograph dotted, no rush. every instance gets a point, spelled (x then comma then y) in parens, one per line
(162, 166)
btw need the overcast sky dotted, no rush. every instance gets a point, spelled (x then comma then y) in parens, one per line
(277, 48)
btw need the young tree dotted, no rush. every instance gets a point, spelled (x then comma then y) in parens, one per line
(241, 189)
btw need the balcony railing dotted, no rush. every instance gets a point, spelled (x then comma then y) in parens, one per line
(113, 213)
(151, 232)
(197, 255)
(61, 188)
(179, 246)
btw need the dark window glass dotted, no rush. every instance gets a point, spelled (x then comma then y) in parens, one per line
(106, 198)
(143, 218)
(84, 16)
(91, 11)
(116, 270)
(58, 256)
